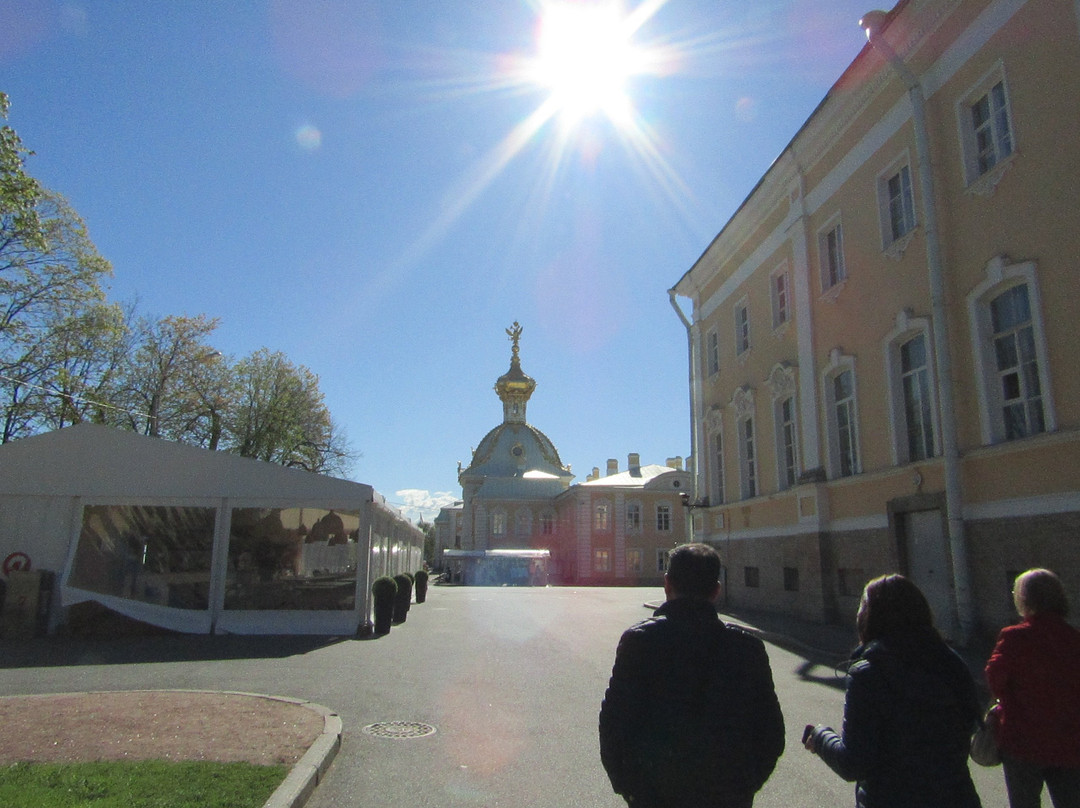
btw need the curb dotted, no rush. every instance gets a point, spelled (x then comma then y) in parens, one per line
(308, 772)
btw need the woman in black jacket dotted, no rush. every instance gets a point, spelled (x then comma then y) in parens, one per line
(910, 709)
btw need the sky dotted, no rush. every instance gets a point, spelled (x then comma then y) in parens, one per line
(380, 189)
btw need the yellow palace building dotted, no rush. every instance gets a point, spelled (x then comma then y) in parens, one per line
(883, 341)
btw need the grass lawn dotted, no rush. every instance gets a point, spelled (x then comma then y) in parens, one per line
(138, 784)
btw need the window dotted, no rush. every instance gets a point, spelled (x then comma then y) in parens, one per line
(912, 394)
(267, 570)
(601, 560)
(1015, 399)
(842, 415)
(748, 458)
(663, 517)
(163, 555)
(831, 249)
(634, 559)
(985, 122)
(742, 327)
(843, 385)
(498, 523)
(523, 523)
(752, 577)
(781, 296)
(791, 579)
(602, 516)
(897, 205)
(786, 443)
(547, 524)
(1017, 363)
(918, 404)
(712, 348)
(990, 125)
(663, 557)
(718, 468)
(633, 516)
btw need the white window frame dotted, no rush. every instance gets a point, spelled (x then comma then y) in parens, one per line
(782, 382)
(896, 206)
(780, 292)
(712, 351)
(602, 516)
(498, 522)
(908, 328)
(980, 178)
(635, 560)
(716, 459)
(523, 522)
(547, 523)
(748, 458)
(832, 275)
(633, 516)
(1000, 277)
(787, 442)
(601, 559)
(839, 364)
(663, 517)
(741, 314)
(663, 560)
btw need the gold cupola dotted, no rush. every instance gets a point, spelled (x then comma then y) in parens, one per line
(514, 387)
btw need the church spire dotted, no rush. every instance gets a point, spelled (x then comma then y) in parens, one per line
(514, 387)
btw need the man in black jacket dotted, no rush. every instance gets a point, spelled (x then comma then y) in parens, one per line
(690, 718)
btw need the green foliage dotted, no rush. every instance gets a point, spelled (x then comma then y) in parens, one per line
(384, 587)
(19, 192)
(67, 355)
(279, 415)
(421, 584)
(138, 784)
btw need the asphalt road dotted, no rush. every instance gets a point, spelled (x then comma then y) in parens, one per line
(509, 678)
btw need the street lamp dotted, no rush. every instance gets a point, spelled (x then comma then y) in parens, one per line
(874, 23)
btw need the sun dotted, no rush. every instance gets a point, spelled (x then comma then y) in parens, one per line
(586, 59)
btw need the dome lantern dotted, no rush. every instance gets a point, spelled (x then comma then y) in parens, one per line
(514, 387)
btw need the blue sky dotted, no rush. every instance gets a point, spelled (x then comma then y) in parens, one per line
(380, 189)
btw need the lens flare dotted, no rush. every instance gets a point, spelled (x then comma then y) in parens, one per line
(308, 138)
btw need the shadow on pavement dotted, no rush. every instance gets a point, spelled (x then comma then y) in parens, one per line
(66, 651)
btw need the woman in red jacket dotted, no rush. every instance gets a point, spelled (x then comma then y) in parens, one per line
(1034, 672)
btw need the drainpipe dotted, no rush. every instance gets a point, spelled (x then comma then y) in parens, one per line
(872, 23)
(695, 421)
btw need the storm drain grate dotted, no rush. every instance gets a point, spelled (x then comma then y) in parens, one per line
(399, 729)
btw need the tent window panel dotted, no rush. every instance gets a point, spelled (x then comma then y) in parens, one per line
(149, 553)
(292, 558)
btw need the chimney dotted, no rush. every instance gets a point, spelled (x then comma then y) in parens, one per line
(594, 476)
(675, 463)
(633, 460)
(612, 467)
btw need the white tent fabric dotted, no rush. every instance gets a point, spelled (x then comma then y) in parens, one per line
(120, 494)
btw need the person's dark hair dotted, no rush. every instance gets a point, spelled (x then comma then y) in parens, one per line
(892, 605)
(694, 571)
(1037, 591)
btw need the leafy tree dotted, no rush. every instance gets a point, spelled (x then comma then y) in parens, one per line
(279, 415)
(159, 392)
(50, 289)
(19, 191)
(67, 355)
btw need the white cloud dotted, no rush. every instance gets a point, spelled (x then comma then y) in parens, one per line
(415, 503)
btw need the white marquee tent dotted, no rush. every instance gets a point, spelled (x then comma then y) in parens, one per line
(195, 540)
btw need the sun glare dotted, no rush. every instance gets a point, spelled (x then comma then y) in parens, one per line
(586, 59)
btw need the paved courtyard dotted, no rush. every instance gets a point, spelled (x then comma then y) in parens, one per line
(509, 679)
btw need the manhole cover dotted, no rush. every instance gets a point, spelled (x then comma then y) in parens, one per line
(399, 729)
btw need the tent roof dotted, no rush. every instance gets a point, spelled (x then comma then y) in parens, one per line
(96, 461)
